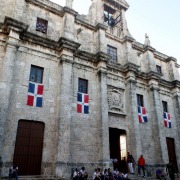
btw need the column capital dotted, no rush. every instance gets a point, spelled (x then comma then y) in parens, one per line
(131, 81)
(154, 87)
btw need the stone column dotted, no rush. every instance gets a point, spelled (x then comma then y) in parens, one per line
(64, 119)
(104, 120)
(102, 42)
(176, 101)
(69, 23)
(6, 83)
(132, 112)
(158, 125)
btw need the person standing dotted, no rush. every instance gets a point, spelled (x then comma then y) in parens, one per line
(13, 172)
(170, 169)
(130, 161)
(141, 165)
(76, 174)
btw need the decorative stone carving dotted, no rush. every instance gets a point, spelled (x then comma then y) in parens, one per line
(115, 100)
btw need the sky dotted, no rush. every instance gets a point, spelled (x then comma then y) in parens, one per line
(158, 18)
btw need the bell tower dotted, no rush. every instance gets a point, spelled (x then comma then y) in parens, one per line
(111, 13)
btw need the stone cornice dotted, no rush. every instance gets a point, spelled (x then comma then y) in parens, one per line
(85, 55)
(115, 113)
(131, 67)
(70, 11)
(101, 26)
(154, 87)
(10, 23)
(116, 66)
(101, 56)
(171, 59)
(149, 48)
(68, 44)
(79, 20)
(45, 42)
(154, 75)
(128, 39)
(176, 83)
(138, 46)
(160, 56)
(49, 6)
(34, 38)
(119, 4)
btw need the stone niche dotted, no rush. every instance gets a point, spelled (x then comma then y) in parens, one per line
(116, 100)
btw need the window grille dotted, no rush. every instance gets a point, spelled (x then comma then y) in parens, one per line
(112, 51)
(158, 69)
(36, 74)
(41, 25)
(140, 100)
(165, 106)
(82, 85)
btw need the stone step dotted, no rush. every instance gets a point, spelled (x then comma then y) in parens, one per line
(36, 178)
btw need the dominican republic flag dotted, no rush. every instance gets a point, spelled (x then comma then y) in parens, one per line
(83, 103)
(35, 92)
(167, 120)
(142, 116)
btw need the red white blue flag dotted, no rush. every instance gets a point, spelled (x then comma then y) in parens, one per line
(82, 103)
(142, 116)
(167, 120)
(35, 93)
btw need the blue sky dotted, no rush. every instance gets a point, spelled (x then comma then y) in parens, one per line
(158, 18)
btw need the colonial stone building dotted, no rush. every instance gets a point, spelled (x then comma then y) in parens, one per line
(49, 57)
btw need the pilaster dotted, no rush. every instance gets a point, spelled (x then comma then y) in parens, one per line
(6, 83)
(132, 115)
(176, 102)
(173, 72)
(158, 124)
(102, 44)
(104, 119)
(69, 23)
(65, 110)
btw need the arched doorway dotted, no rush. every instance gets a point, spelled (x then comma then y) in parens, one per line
(118, 150)
(28, 147)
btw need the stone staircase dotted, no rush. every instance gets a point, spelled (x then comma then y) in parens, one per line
(131, 177)
(35, 178)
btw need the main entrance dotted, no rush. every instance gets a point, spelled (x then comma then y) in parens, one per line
(28, 147)
(118, 151)
(172, 152)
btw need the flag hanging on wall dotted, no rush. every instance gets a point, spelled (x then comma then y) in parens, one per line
(35, 93)
(167, 120)
(142, 116)
(82, 103)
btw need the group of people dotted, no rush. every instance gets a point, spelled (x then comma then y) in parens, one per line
(141, 164)
(107, 174)
(80, 174)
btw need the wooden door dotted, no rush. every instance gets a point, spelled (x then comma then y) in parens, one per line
(28, 147)
(171, 151)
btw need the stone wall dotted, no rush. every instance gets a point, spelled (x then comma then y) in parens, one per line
(73, 48)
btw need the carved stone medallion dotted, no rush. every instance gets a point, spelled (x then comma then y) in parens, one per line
(115, 100)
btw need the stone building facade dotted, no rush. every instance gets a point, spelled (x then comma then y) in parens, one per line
(117, 70)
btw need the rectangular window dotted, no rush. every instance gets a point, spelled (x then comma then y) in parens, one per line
(112, 51)
(158, 69)
(41, 25)
(165, 106)
(83, 85)
(140, 100)
(108, 15)
(36, 74)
